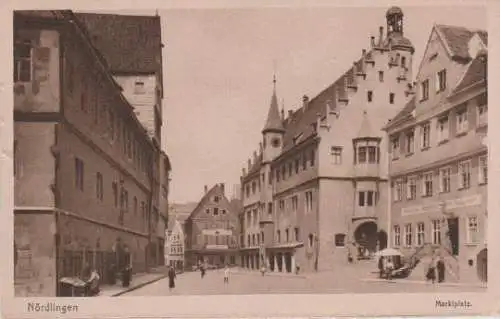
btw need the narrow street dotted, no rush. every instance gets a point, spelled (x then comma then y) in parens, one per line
(245, 282)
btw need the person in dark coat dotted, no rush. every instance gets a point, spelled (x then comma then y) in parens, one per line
(380, 266)
(171, 278)
(431, 271)
(440, 267)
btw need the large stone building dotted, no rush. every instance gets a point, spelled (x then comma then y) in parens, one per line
(438, 167)
(317, 191)
(211, 230)
(85, 178)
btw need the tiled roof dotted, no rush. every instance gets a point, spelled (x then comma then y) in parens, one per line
(405, 111)
(129, 44)
(273, 122)
(457, 39)
(475, 73)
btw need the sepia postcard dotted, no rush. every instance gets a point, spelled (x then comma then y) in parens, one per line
(249, 159)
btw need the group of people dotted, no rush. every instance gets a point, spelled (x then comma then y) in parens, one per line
(436, 266)
(387, 264)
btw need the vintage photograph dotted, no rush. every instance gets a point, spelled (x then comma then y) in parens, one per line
(245, 151)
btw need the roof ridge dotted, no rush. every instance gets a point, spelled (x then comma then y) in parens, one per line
(460, 27)
(116, 14)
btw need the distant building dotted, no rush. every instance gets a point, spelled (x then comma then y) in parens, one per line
(84, 162)
(439, 158)
(212, 230)
(175, 245)
(316, 191)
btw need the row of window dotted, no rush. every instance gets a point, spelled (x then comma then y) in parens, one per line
(440, 85)
(415, 234)
(120, 196)
(367, 198)
(176, 250)
(463, 178)
(215, 211)
(369, 96)
(294, 203)
(462, 125)
(362, 154)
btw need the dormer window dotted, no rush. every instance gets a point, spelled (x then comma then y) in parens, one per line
(139, 87)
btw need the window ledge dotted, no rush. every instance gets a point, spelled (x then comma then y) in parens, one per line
(395, 158)
(409, 154)
(444, 141)
(425, 148)
(463, 188)
(462, 133)
(471, 244)
(482, 183)
(481, 126)
(425, 196)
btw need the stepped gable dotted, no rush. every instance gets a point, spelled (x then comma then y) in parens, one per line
(117, 38)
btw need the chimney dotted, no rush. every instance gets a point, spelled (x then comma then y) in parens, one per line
(372, 41)
(290, 113)
(223, 188)
(305, 101)
(243, 171)
(282, 114)
(249, 164)
(206, 189)
(380, 35)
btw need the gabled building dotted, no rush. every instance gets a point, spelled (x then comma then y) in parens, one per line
(175, 245)
(211, 230)
(439, 158)
(317, 189)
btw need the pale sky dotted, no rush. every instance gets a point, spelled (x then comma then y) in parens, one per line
(218, 69)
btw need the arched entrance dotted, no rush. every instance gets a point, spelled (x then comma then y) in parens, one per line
(482, 265)
(382, 240)
(366, 237)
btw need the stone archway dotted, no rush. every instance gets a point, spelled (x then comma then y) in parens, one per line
(382, 239)
(482, 265)
(366, 239)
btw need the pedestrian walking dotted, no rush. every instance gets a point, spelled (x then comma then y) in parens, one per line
(226, 275)
(381, 266)
(202, 270)
(389, 268)
(431, 271)
(440, 267)
(171, 278)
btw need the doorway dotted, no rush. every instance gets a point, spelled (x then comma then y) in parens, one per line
(482, 265)
(382, 240)
(288, 262)
(453, 235)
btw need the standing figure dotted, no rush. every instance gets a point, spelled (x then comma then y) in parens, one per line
(226, 274)
(202, 270)
(389, 268)
(380, 266)
(171, 278)
(440, 267)
(431, 271)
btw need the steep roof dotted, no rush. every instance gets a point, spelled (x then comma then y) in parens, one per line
(457, 39)
(404, 113)
(475, 73)
(273, 122)
(118, 38)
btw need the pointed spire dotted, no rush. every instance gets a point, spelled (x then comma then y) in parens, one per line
(366, 128)
(273, 122)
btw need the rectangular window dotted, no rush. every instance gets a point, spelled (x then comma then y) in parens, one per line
(462, 121)
(397, 236)
(336, 152)
(436, 232)
(313, 157)
(287, 235)
(445, 180)
(139, 87)
(464, 175)
(362, 154)
(443, 129)
(282, 204)
(483, 169)
(420, 234)
(115, 193)
(412, 188)
(278, 234)
(309, 202)
(295, 203)
(22, 61)
(410, 142)
(472, 230)
(135, 205)
(381, 76)
(361, 199)
(372, 154)
(424, 90)
(482, 114)
(79, 174)
(269, 208)
(270, 178)
(297, 165)
(391, 98)
(408, 235)
(441, 81)
(370, 198)
(290, 169)
(427, 184)
(99, 186)
(297, 234)
(425, 134)
(398, 190)
(369, 96)
(395, 147)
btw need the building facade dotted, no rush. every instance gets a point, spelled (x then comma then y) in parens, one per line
(174, 252)
(316, 192)
(212, 230)
(439, 158)
(83, 179)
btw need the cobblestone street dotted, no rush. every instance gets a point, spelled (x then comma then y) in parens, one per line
(246, 282)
